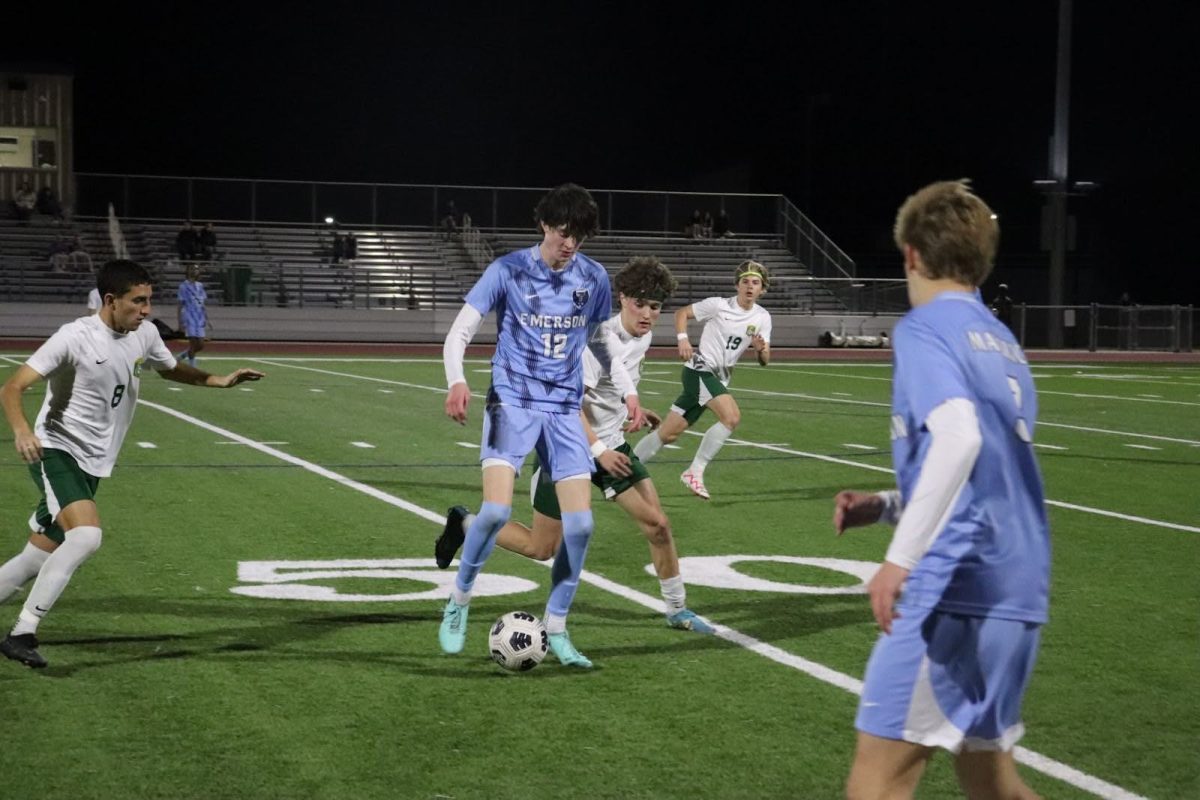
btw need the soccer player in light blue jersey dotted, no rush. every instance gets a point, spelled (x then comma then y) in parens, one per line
(549, 300)
(193, 318)
(962, 594)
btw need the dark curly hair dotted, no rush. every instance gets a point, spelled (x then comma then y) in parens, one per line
(647, 278)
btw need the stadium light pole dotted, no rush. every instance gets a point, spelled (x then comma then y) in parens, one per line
(1057, 191)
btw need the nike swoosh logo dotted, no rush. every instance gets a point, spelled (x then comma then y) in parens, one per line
(39, 608)
(101, 360)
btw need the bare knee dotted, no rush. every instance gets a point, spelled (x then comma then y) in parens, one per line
(657, 530)
(732, 419)
(542, 550)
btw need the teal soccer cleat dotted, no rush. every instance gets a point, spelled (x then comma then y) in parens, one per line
(453, 633)
(688, 621)
(564, 651)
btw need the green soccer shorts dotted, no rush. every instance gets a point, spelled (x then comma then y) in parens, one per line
(61, 481)
(545, 499)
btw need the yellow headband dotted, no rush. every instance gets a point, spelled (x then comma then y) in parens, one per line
(753, 272)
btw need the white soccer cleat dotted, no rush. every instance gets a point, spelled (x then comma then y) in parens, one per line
(693, 482)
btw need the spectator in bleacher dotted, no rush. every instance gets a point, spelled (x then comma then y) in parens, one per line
(24, 201)
(351, 246)
(452, 221)
(58, 254)
(78, 258)
(47, 203)
(721, 225)
(694, 226)
(207, 243)
(187, 242)
(706, 227)
(193, 318)
(339, 249)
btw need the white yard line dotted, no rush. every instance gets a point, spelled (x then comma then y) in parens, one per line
(276, 363)
(1119, 397)
(1044, 764)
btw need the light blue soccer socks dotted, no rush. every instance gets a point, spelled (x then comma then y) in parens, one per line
(479, 543)
(568, 563)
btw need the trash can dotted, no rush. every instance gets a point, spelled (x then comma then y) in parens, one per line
(235, 285)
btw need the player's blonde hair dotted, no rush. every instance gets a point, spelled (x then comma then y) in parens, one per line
(952, 229)
(752, 267)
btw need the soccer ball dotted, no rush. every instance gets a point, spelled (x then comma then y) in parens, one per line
(518, 641)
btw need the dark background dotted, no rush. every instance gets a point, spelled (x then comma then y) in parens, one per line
(845, 107)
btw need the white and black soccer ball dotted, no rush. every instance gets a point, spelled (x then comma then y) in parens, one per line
(518, 641)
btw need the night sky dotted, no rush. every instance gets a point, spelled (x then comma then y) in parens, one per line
(845, 107)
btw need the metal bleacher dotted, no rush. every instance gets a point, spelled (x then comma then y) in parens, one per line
(705, 267)
(291, 265)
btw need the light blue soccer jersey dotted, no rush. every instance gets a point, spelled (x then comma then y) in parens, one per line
(191, 302)
(993, 557)
(543, 317)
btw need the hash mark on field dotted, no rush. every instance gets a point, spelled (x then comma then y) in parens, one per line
(471, 445)
(858, 446)
(842, 394)
(1155, 396)
(148, 445)
(257, 443)
(244, 389)
(386, 391)
(316, 390)
(647, 391)
(174, 389)
(672, 447)
(1143, 447)
(1048, 446)
(364, 445)
(482, 371)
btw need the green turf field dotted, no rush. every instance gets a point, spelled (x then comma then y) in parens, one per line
(261, 621)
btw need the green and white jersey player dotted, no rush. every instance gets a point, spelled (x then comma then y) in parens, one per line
(642, 287)
(732, 325)
(93, 368)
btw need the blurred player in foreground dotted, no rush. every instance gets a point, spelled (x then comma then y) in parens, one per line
(962, 594)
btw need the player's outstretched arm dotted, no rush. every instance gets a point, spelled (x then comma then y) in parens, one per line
(28, 446)
(853, 509)
(186, 373)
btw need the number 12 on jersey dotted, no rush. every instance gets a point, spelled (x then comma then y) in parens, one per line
(553, 345)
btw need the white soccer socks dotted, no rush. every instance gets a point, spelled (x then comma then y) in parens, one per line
(55, 574)
(19, 569)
